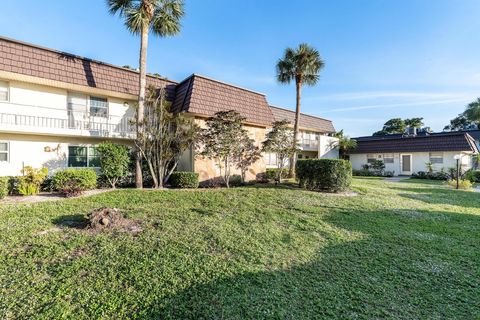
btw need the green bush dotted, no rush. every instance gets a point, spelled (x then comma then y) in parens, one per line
(75, 181)
(183, 179)
(440, 175)
(462, 184)
(235, 181)
(472, 175)
(29, 184)
(4, 182)
(324, 174)
(272, 173)
(114, 161)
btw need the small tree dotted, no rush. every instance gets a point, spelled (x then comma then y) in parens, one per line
(345, 144)
(249, 154)
(280, 141)
(114, 161)
(221, 141)
(165, 137)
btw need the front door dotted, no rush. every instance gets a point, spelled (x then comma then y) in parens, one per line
(406, 164)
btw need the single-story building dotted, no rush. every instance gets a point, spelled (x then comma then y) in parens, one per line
(405, 154)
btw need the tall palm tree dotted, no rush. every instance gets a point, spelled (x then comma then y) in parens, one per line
(472, 112)
(162, 18)
(302, 65)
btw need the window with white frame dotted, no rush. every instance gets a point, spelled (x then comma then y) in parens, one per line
(271, 159)
(98, 107)
(371, 158)
(388, 158)
(4, 151)
(436, 157)
(83, 156)
(4, 91)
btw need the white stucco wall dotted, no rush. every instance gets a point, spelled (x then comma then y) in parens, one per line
(30, 150)
(45, 107)
(328, 147)
(419, 161)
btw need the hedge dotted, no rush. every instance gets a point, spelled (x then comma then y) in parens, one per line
(4, 182)
(272, 173)
(183, 179)
(81, 179)
(324, 174)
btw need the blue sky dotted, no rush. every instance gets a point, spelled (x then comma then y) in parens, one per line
(383, 58)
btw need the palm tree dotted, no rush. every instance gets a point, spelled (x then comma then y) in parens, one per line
(345, 144)
(303, 66)
(472, 112)
(162, 18)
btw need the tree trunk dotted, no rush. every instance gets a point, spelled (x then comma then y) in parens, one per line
(141, 102)
(293, 159)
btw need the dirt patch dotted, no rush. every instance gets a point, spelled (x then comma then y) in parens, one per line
(104, 219)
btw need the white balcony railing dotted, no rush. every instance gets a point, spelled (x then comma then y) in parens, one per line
(66, 122)
(309, 144)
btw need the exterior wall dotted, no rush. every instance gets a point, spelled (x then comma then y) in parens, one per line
(30, 150)
(208, 169)
(40, 109)
(328, 147)
(419, 161)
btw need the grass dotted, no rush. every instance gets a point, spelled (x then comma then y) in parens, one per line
(406, 250)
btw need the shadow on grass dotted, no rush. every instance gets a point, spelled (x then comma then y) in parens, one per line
(462, 198)
(387, 273)
(76, 221)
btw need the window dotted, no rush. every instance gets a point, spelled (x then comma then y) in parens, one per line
(4, 151)
(98, 107)
(4, 91)
(271, 159)
(436, 157)
(83, 156)
(388, 158)
(371, 158)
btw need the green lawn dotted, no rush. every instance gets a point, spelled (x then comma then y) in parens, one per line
(404, 250)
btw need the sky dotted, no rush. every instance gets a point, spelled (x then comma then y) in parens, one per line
(383, 58)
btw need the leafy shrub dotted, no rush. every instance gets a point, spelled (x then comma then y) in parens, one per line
(324, 174)
(13, 182)
(236, 181)
(272, 173)
(389, 174)
(472, 175)
(47, 185)
(183, 179)
(29, 183)
(378, 166)
(462, 184)
(440, 175)
(114, 161)
(4, 181)
(74, 181)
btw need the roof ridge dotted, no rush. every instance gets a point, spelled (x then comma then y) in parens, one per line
(225, 83)
(80, 57)
(305, 114)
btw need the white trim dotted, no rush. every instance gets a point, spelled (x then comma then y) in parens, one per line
(7, 152)
(87, 146)
(8, 91)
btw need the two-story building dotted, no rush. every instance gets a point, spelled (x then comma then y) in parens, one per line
(56, 107)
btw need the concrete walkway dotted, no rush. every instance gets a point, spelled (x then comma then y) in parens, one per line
(397, 179)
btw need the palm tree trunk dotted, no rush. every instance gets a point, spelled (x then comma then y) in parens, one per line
(141, 102)
(293, 159)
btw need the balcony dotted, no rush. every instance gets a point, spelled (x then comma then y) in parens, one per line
(308, 144)
(42, 120)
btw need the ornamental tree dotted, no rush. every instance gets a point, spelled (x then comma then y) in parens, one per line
(279, 140)
(114, 161)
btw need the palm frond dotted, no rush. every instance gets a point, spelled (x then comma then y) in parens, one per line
(302, 64)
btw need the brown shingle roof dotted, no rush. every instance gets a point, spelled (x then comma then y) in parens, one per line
(428, 143)
(205, 96)
(31, 60)
(307, 122)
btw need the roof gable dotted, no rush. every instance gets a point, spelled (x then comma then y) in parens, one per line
(23, 58)
(307, 122)
(204, 96)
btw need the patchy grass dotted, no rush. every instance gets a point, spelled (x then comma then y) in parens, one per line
(406, 250)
